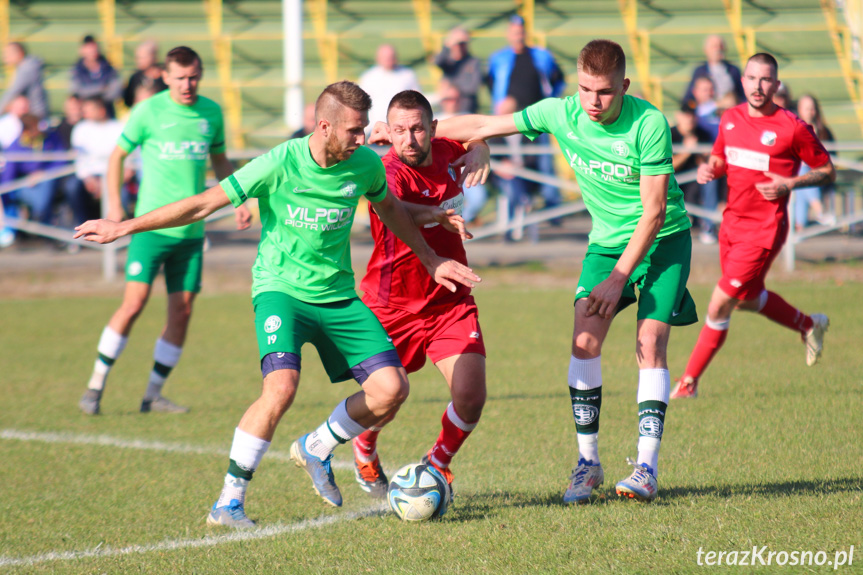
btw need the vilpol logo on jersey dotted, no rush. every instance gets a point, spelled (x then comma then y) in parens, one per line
(319, 219)
(608, 171)
(183, 150)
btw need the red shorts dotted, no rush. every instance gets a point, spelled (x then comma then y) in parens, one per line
(436, 334)
(745, 266)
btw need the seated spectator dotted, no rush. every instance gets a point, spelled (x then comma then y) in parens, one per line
(515, 189)
(28, 79)
(724, 75)
(461, 69)
(94, 138)
(706, 109)
(37, 194)
(308, 122)
(148, 71)
(384, 80)
(689, 134)
(93, 76)
(809, 199)
(10, 122)
(782, 97)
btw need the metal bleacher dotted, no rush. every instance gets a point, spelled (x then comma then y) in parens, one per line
(241, 43)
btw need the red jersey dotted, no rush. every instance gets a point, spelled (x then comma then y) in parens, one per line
(395, 276)
(751, 146)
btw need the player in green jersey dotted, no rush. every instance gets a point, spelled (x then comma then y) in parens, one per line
(177, 130)
(303, 285)
(620, 150)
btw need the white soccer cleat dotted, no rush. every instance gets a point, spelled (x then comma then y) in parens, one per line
(641, 485)
(586, 477)
(814, 338)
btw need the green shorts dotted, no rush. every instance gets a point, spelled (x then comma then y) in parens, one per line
(183, 260)
(345, 332)
(660, 279)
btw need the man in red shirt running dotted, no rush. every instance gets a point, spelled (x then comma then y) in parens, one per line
(422, 319)
(760, 147)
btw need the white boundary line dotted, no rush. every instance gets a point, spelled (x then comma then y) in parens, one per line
(176, 544)
(100, 552)
(109, 441)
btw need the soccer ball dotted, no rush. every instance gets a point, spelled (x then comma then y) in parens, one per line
(418, 492)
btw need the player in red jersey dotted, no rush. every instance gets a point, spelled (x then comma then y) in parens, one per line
(760, 147)
(422, 319)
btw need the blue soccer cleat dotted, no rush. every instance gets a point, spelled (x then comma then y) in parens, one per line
(319, 470)
(230, 515)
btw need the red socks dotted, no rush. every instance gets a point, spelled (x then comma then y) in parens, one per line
(365, 445)
(783, 313)
(710, 340)
(453, 434)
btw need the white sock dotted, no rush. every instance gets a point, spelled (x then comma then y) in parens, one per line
(247, 450)
(111, 345)
(165, 357)
(586, 375)
(653, 385)
(338, 428)
(234, 488)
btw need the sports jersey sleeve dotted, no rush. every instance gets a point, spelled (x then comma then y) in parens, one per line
(654, 144)
(259, 178)
(377, 184)
(719, 143)
(539, 118)
(217, 146)
(134, 131)
(808, 147)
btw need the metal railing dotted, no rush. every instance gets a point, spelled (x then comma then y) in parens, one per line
(846, 222)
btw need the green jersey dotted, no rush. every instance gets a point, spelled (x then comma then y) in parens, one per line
(609, 161)
(306, 213)
(175, 142)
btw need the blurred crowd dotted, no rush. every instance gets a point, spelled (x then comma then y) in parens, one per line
(516, 76)
(89, 125)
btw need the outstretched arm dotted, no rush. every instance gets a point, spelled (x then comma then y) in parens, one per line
(181, 213)
(397, 217)
(472, 127)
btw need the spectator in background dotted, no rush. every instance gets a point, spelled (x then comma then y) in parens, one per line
(94, 139)
(516, 189)
(782, 97)
(308, 122)
(705, 107)
(72, 114)
(93, 75)
(37, 195)
(475, 197)
(528, 75)
(10, 122)
(461, 69)
(689, 134)
(28, 79)
(384, 80)
(806, 199)
(148, 71)
(724, 75)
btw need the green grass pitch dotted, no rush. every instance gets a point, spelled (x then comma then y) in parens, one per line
(769, 454)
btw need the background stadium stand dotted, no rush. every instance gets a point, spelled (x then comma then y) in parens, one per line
(815, 41)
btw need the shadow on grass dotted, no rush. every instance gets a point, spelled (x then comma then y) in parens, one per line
(484, 505)
(783, 488)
